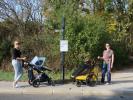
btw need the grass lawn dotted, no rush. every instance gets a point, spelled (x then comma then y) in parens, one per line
(9, 76)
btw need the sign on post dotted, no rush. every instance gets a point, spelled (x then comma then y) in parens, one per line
(63, 45)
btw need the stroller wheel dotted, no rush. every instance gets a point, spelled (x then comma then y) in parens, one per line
(53, 84)
(36, 83)
(78, 84)
(50, 82)
(91, 80)
(30, 82)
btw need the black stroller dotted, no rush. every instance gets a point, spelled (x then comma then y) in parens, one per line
(41, 76)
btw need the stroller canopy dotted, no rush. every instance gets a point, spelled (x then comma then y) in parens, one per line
(38, 61)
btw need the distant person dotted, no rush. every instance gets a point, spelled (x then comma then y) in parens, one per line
(17, 63)
(108, 60)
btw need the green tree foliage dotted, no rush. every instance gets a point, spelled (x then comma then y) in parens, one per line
(89, 25)
(86, 33)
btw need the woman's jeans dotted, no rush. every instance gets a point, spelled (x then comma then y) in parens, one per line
(18, 69)
(106, 68)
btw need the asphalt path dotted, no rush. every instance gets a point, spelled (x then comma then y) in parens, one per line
(61, 97)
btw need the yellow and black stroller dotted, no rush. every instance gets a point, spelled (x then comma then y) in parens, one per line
(86, 73)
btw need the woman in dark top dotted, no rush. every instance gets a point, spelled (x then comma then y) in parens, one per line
(17, 63)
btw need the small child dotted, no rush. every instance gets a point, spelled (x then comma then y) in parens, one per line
(82, 67)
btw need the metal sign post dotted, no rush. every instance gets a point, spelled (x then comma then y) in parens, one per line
(63, 49)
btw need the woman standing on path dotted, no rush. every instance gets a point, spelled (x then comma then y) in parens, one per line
(17, 63)
(108, 60)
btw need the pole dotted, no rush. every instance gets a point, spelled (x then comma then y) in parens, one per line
(63, 53)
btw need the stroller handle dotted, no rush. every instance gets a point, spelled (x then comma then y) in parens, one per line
(27, 63)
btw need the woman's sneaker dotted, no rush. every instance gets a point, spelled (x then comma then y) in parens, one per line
(108, 83)
(15, 85)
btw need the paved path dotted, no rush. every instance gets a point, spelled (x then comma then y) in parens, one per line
(122, 84)
(60, 97)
